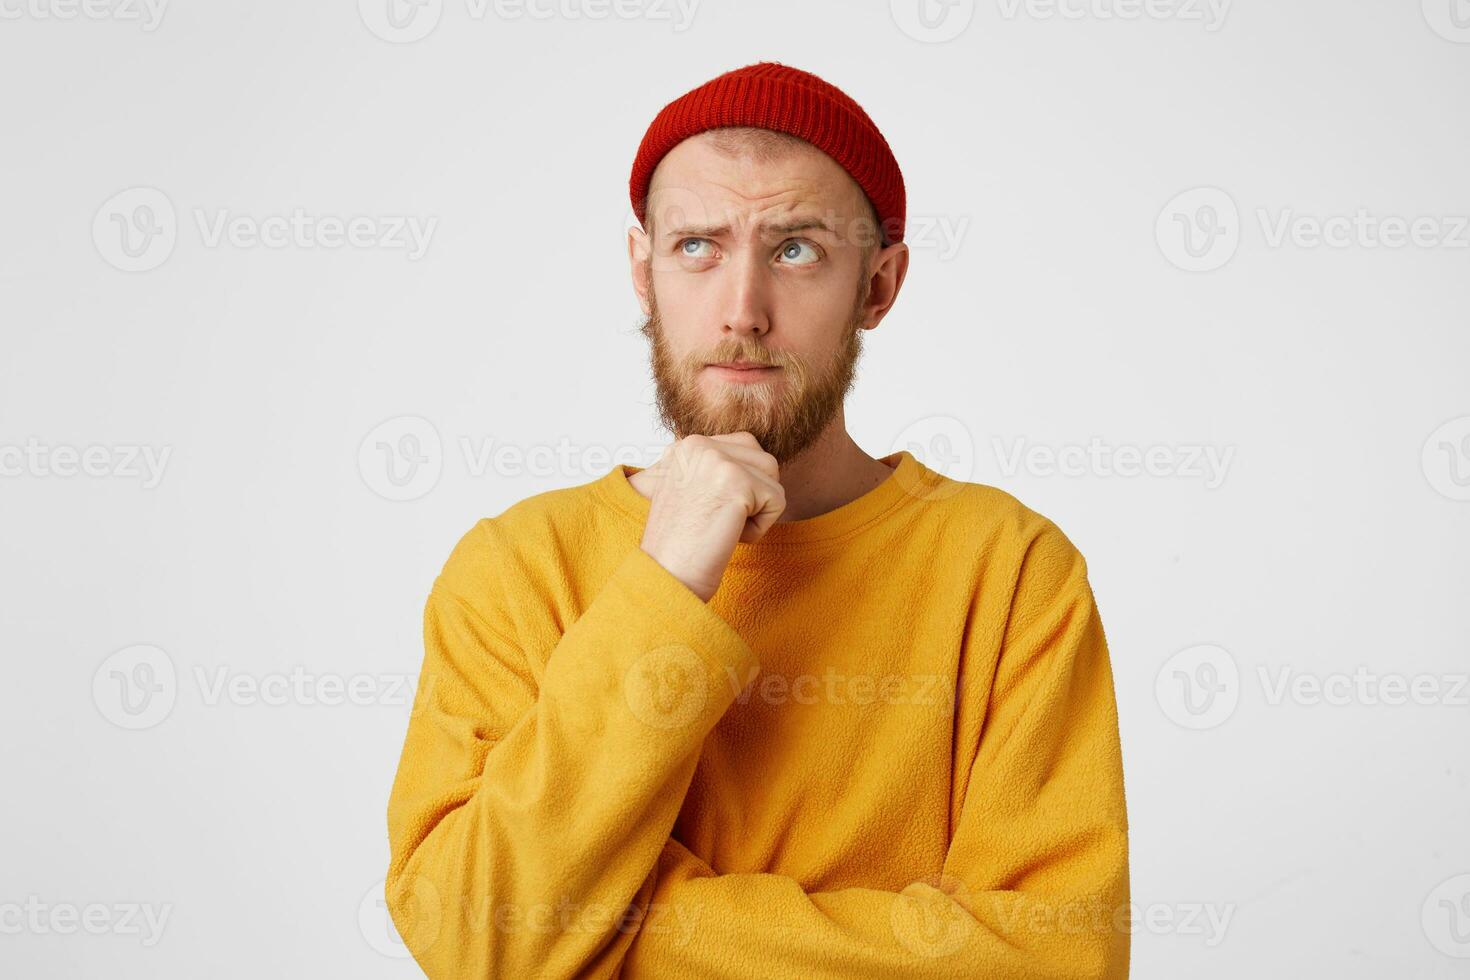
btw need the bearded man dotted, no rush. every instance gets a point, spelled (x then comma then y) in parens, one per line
(770, 706)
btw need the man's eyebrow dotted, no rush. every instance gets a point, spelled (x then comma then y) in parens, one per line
(789, 227)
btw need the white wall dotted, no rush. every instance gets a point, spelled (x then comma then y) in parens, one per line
(1046, 308)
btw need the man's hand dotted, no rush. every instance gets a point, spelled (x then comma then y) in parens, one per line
(707, 493)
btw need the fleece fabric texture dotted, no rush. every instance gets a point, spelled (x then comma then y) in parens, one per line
(887, 747)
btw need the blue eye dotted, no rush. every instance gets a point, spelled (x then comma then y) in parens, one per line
(791, 251)
(684, 247)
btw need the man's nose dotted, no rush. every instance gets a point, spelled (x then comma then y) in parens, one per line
(746, 296)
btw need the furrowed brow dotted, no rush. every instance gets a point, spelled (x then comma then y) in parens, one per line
(769, 228)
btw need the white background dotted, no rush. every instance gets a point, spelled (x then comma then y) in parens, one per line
(1329, 833)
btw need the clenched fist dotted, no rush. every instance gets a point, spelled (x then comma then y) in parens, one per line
(707, 493)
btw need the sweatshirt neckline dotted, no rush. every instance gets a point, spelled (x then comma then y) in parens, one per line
(909, 480)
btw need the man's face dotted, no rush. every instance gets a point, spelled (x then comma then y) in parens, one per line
(759, 263)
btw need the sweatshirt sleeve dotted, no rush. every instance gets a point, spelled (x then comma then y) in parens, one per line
(530, 806)
(1035, 881)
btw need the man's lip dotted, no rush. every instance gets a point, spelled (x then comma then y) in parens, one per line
(740, 365)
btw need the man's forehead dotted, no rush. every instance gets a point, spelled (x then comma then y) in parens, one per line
(698, 186)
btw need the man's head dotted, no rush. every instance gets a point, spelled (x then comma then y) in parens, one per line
(760, 248)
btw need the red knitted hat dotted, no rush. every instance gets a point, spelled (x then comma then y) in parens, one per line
(769, 95)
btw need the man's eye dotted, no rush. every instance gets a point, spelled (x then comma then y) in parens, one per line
(791, 252)
(691, 247)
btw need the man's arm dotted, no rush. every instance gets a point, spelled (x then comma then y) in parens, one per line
(1035, 882)
(528, 811)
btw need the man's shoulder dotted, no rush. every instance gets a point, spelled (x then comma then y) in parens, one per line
(1028, 564)
(999, 519)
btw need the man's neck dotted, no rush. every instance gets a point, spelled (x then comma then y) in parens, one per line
(831, 472)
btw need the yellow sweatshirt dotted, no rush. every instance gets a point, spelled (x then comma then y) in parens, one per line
(887, 747)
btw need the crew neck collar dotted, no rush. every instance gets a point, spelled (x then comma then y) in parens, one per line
(910, 480)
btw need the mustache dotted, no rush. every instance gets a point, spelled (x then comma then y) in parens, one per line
(737, 351)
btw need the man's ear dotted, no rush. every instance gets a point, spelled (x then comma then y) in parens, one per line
(890, 265)
(639, 251)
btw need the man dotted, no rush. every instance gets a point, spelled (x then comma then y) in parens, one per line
(769, 707)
